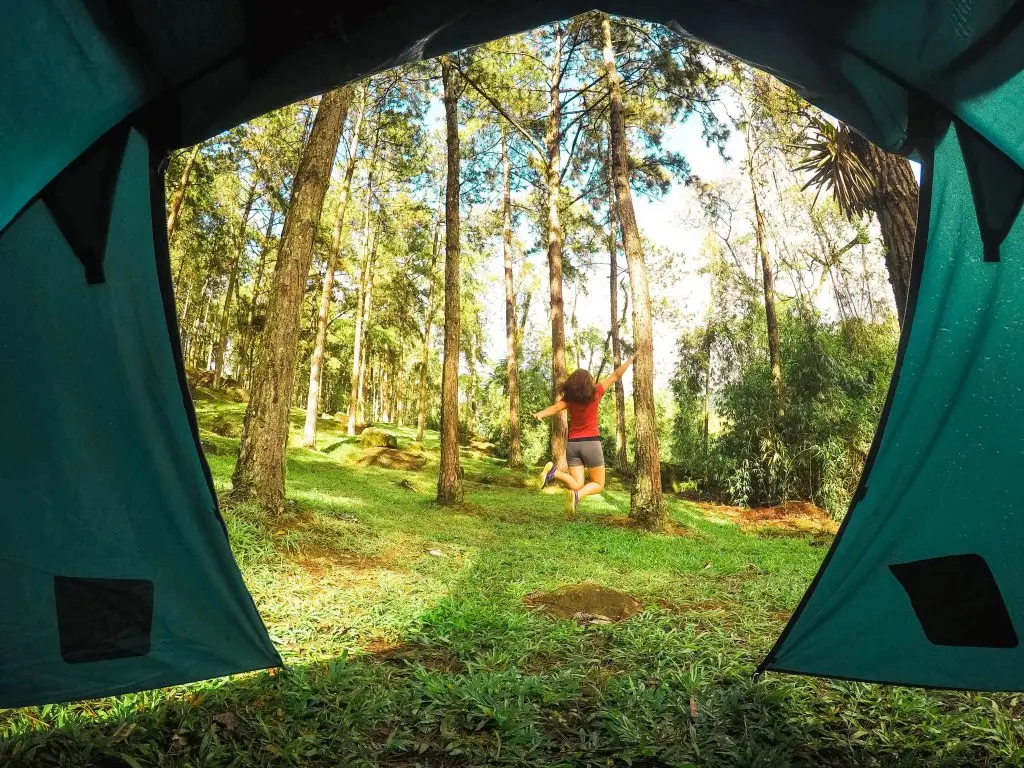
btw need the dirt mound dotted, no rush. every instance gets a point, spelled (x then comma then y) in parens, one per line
(588, 603)
(799, 517)
(391, 458)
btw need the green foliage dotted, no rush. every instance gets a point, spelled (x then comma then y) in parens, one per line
(400, 657)
(836, 377)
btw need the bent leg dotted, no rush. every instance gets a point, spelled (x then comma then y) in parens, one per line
(573, 479)
(596, 483)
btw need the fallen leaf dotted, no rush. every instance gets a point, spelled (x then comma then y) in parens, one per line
(436, 553)
(123, 732)
(229, 721)
(178, 744)
(707, 565)
(693, 708)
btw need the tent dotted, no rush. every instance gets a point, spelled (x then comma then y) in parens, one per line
(116, 568)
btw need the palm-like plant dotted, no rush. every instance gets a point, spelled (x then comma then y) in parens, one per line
(832, 162)
(863, 178)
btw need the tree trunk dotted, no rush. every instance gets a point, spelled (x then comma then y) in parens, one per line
(449, 480)
(895, 202)
(249, 344)
(621, 455)
(179, 193)
(767, 274)
(515, 451)
(260, 472)
(316, 360)
(362, 388)
(364, 270)
(553, 140)
(222, 336)
(421, 416)
(647, 507)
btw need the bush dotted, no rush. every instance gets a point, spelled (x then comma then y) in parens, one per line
(835, 378)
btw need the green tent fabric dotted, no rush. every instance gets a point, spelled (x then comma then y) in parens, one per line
(117, 566)
(116, 570)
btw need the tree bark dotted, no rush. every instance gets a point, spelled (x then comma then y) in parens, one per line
(647, 507)
(449, 480)
(421, 416)
(621, 455)
(767, 274)
(515, 450)
(895, 202)
(362, 388)
(316, 360)
(222, 336)
(179, 193)
(260, 472)
(355, 385)
(553, 141)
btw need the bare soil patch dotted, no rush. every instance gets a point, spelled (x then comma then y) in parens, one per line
(437, 659)
(794, 517)
(587, 603)
(321, 561)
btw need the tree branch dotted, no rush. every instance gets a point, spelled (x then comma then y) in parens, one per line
(500, 110)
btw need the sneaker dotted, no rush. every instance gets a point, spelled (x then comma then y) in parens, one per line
(547, 476)
(572, 499)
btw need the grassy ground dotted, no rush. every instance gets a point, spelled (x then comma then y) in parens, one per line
(408, 643)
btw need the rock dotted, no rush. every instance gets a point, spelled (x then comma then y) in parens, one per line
(372, 437)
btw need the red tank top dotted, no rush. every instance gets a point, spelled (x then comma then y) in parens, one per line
(583, 416)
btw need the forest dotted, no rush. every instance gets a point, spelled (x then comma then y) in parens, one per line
(350, 254)
(377, 289)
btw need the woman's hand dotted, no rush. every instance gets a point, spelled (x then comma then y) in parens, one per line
(539, 416)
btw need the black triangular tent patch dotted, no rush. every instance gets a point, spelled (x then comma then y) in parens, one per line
(80, 199)
(997, 185)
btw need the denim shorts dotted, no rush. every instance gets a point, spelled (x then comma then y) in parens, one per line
(584, 452)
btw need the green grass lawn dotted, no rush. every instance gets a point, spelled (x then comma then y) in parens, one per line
(408, 643)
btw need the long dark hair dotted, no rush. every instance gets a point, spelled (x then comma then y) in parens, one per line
(579, 387)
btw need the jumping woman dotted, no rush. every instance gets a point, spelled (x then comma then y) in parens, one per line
(582, 398)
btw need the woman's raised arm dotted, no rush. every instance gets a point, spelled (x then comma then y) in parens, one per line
(608, 381)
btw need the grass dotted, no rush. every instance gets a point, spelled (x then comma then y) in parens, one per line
(408, 643)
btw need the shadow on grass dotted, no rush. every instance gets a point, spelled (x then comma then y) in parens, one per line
(483, 681)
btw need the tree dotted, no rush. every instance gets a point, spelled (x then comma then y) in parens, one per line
(421, 416)
(862, 178)
(260, 472)
(559, 59)
(515, 451)
(327, 291)
(179, 193)
(449, 480)
(242, 244)
(756, 124)
(647, 507)
(621, 456)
